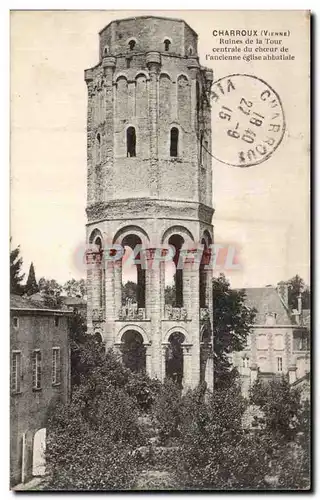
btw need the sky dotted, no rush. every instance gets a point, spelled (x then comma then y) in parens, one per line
(262, 210)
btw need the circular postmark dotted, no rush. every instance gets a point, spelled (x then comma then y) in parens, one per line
(248, 120)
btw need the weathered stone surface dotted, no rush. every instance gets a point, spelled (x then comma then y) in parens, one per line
(148, 83)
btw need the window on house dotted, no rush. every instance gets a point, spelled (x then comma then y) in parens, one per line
(279, 364)
(278, 342)
(262, 341)
(36, 369)
(132, 44)
(56, 321)
(16, 372)
(167, 45)
(174, 139)
(131, 142)
(16, 322)
(56, 365)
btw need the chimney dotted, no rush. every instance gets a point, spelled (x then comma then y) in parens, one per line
(299, 304)
(282, 289)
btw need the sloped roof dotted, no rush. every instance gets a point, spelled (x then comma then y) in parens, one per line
(306, 318)
(267, 300)
(24, 304)
(73, 301)
(18, 302)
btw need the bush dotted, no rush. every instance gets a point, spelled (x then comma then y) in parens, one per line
(91, 441)
(280, 405)
(216, 453)
(167, 411)
(143, 390)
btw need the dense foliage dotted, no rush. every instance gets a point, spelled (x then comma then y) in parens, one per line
(217, 451)
(16, 276)
(232, 324)
(31, 285)
(101, 440)
(90, 442)
(296, 287)
(75, 288)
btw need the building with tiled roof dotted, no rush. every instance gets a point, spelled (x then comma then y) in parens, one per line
(40, 369)
(279, 340)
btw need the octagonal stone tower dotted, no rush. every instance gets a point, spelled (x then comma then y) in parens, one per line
(149, 183)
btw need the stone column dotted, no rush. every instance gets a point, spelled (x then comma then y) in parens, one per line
(193, 66)
(109, 302)
(164, 348)
(117, 270)
(149, 370)
(209, 374)
(108, 64)
(192, 304)
(89, 297)
(153, 61)
(90, 137)
(188, 382)
(94, 263)
(153, 306)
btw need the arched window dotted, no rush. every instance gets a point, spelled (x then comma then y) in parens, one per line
(133, 276)
(105, 51)
(174, 275)
(190, 51)
(98, 147)
(132, 44)
(131, 142)
(174, 139)
(167, 45)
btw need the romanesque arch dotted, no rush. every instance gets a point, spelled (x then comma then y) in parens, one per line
(131, 229)
(175, 365)
(133, 341)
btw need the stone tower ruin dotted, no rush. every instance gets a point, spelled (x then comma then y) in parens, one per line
(149, 186)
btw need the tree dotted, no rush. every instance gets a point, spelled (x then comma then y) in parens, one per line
(15, 272)
(231, 326)
(170, 295)
(51, 291)
(297, 286)
(88, 446)
(286, 423)
(216, 452)
(280, 405)
(31, 285)
(75, 288)
(129, 291)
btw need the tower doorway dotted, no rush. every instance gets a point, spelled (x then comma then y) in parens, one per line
(174, 358)
(133, 351)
